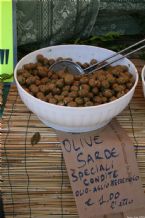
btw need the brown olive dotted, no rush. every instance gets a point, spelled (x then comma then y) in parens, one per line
(98, 83)
(42, 71)
(79, 63)
(37, 82)
(79, 101)
(83, 92)
(131, 78)
(77, 77)
(113, 98)
(20, 72)
(47, 89)
(59, 97)
(45, 62)
(105, 84)
(49, 74)
(89, 103)
(95, 90)
(65, 93)
(74, 88)
(100, 73)
(111, 79)
(21, 79)
(68, 99)
(73, 94)
(90, 95)
(61, 74)
(104, 99)
(120, 94)
(30, 80)
(118, 88)
(115, 71)
(72, 104)
(53, 100)
(44, 80)
(92, 82)
(60, 83)
(56, 91)
(85, 86)
(76, 83)
(126, 90)
(121, 80)
(93, 61)
(26, 73)
(97, 99)
(129, 85)
(51, 86)
(42, 88)
(33, 88)
(102, 78)
(93, 76)
(123, 68)
(68, 78)
(59, 59)
(84, 80)
(41, 96)
(51, 61)
(61, 103)
(85, 65)
(27, 90)
(68, 59)
(29, 66)
(86, 99)
(49, 96)
(54, 76)
(107, 93)
(66, 88)
(40, 58)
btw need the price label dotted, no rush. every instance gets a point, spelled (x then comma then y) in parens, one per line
(103, 171)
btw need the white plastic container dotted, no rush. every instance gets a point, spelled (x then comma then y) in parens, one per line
(143, 80)
(75, 119)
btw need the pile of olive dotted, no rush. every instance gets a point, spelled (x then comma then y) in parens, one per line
(64, 88)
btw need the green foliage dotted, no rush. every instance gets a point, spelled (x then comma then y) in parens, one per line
(97, 39)
(5, 76)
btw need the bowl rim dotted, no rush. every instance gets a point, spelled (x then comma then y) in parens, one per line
(143, 75)
(69, 107)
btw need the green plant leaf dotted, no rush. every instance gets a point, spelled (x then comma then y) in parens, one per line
(5, 76)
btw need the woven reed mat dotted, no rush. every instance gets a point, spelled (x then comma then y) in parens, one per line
(35, 181)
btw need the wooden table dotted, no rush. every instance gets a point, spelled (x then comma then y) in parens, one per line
(35, 181)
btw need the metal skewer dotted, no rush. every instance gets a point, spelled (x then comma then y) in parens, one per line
(77, 69)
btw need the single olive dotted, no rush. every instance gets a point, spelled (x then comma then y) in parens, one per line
(72, 104)
(107, 93)
(60, 83)
(33, 88)
(40, 58)
(83, 92)
(84, 80)
(79, 101)
(53, 100)
(93, 61)
(68, 78)
(30, 80)
(21, 79)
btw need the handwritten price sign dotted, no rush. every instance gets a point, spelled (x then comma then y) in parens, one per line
(102, 170)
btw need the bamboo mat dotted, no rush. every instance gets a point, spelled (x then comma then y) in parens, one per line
(35, 181)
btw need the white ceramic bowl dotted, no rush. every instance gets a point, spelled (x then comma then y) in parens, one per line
(75, 119)
(143, 79)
